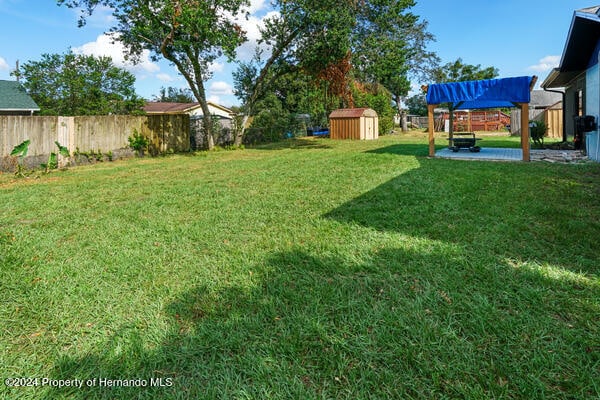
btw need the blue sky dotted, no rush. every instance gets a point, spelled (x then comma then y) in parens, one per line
(519, 37)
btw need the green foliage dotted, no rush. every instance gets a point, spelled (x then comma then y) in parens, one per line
(537, 130)
(53, 158)
(270, 124)
(379, 99)
(99, 156)
(389, 45)
(310, 41)
(138, 142)
(75, 84)
(174, 95)
(21, 149)
(62, 150)
(457, 71)
(417, 105)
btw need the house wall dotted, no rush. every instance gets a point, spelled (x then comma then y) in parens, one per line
(569, 110)
(197, 112)
(222, 137)
(592, 107)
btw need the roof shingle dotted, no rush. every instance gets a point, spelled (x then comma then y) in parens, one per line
(14, 98)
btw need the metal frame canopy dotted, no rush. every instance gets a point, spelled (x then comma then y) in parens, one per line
(487, 93)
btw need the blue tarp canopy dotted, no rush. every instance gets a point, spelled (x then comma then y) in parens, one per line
(488, 93)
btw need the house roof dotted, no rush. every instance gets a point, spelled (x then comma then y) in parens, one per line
(13, 97)
(353, 113)
(153, 107)
(544, 99)
(579, 49)
(169, 108)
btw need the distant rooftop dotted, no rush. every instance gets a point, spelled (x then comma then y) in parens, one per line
(590, 10)
(543, 99)
(13, 97)
(158, 107)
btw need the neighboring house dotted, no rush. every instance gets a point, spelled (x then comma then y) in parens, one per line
(579, 75)
(194, 110)
(14, 100)
(544, 106)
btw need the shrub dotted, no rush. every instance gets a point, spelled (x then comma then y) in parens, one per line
(537, 131)
(138, 142)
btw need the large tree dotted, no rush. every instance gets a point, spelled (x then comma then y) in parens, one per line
(191, 34)
(389, 46)
(304, 35)
(72, 84)
(375, 41)
(174, 95)
(457, 71)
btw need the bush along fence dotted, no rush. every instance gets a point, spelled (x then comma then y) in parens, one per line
(90, 138)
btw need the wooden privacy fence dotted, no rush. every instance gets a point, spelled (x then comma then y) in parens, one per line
(165, 133)
(552, 117)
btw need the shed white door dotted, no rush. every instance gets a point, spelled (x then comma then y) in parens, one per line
(369, 128)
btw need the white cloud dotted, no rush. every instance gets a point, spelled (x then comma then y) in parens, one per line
(220, 88)
(216, 67)
(102, 17)
(256, 6)
(109, 45)
(251, 25)
(164, 77)
(3, 65)
(545, 64)
(214, 99)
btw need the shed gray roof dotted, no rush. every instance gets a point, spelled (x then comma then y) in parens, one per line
(14, 98)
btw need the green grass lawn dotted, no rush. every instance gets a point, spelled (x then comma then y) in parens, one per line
(307, 269)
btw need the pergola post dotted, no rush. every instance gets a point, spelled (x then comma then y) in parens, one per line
(431, 128)
(525, 130)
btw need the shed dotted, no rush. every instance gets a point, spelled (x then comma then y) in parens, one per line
(354, 123)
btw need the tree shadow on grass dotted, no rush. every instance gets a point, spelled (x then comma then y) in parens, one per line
(294, 143)
(539, 213)
(417, 150)
(420, 323)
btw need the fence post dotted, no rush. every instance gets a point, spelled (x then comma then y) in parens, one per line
(65, 135)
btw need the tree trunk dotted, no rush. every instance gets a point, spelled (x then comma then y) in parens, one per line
(240, 130)
(207, 121)
(401, 114)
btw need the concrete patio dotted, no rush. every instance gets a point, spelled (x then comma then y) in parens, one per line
(503, 154)
(486, 153)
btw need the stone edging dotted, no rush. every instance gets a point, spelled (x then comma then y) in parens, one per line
(558, 156)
